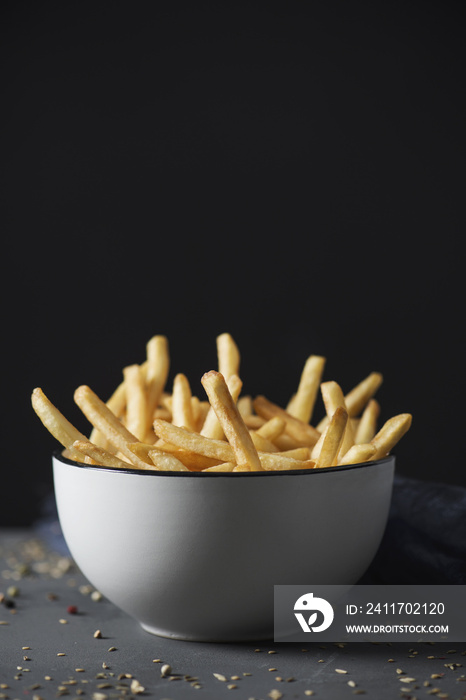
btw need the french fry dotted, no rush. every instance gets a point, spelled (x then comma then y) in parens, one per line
(212, 427)
(261, 443)
(272, 428)
(333, 399)
(301, 453)
(117, 404)
(194, 442)
(358, 453)
(302, 404)
(277, 461)
(224, 467)
(357, 398)
(182, 413)
(136, 404)
(334, 435)
(157, 368)
(231, 421)
(228, 356)
(367, 426)
(100, 455)
(244, 404)
(166, 462)
(390, 434)
(193, 461)
(62, 430)
(302, 432)
(102, 418)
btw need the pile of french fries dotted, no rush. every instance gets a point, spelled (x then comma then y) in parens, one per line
(145, 426)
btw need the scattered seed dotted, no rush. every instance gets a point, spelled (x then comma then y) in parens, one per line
(231, 686)
(272, 669)
(437, 675)
(136, 687)
(97, 634)
(165, 670)
(62, 621)
(25, 648)
(308, 692)
(79, 670)
(272, 651)
(72, 609)
(406, 679)
(275, 694)
(352, 684)
(61, 653)
(236, 678)
(112, 649)
(96, 595)
(220, 677)
(12, 591)
(340, 670)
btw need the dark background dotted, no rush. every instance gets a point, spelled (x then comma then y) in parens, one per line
(292, 173)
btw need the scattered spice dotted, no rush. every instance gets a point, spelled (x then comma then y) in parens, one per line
(220, 677)
(72, 609)
(136, 687)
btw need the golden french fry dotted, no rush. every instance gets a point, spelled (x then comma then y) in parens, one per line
(212, 427)
(253, 422)
(102, 418)
(231, 421)
(193, 461)
(367, 426)
(334, 435)
(100, 456)
(358, 453)
(302, 404)
(272, 428)
(357, 398)
(262, 443)
(56, 423)
(224, 467)
(117, 404)
(136, 404)
(228, 356)
(277, 461)
(390, 433)
(157, 368)
(301, 453)
(164, 461)
(303, 433)
(182, 413)
(244, 404)
(333, 399)
(194, 442)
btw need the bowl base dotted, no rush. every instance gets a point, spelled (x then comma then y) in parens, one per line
(213, 639)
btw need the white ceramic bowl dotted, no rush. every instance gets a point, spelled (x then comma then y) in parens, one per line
(195, 556)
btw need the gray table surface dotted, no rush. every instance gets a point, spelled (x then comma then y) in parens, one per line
(49, 651)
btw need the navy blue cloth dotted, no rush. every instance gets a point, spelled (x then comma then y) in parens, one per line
(425, 538)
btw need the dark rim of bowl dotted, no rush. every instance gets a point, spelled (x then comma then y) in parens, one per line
(233, 475)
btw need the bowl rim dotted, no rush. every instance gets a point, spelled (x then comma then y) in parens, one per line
(57, 454)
